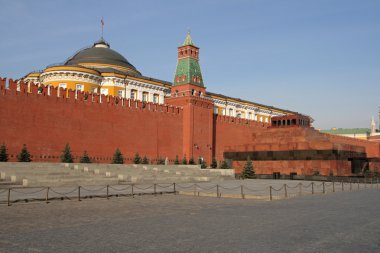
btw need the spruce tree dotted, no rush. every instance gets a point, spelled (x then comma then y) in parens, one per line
(191, 161)
(161, 161)
(137, 159)
(224, 165)
(248, 171)
(24, 155)
(85, 158)
(66, 156)
(200, 160)
(214, 163)
(203, 164)
(117, 157)
(184, 160)
(176, 161)
(145, 160)
(3, 153)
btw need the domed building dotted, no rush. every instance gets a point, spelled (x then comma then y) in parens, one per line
(100, 69)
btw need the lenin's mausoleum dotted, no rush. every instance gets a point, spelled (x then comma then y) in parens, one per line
(97, 101)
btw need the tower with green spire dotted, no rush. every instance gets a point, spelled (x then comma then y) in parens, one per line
(188, 70)
(189, 93)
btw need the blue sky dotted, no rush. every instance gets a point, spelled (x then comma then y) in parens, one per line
(317, 57)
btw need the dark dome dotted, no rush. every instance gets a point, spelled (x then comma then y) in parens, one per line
(101, 53)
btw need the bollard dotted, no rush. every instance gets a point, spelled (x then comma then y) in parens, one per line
(108, 196)
(242, 191)
(323, 186)
(47, 195)
(285, 191)
(350, 185)
(78, 193)
(133, 194)
(312, 187)
(333, 184)
(9, 196)
(175, 192)
(270, 192)
(217, 191)
(155, 189)
(342, 186)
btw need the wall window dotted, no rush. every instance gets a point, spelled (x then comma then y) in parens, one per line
(62, 85)
(250, 115)
(133, 94)
(156, 98)
(145, 96)
(238, 115)
(120, 93)
(79, 87)
(94, 90)
(231, 112)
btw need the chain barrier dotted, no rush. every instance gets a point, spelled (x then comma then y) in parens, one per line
(93, 190)
(27, 193)
(64, 194)
(285, 191)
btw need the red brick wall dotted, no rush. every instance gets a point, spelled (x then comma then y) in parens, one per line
(46, 123)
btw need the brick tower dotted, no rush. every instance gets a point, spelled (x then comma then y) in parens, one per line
(188, 92)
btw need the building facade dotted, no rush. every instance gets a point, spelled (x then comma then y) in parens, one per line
(97, 101)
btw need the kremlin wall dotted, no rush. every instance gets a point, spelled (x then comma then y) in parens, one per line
(158, 119)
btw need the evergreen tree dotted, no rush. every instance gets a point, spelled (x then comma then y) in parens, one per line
(224, 165)
(184, 160)
(191, 161)
(249, 171)
(24, 155)
(3, 153)
(203, 164)
(137, 159)
(117, 157)
(145, 160)
(200, 160)
(214, 163)
(66, 156)
(85, 158)
(161, 161)
(176, 160)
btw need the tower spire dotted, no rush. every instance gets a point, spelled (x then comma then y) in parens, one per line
(188, 70)
(102, 22)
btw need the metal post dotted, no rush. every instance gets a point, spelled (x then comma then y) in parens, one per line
(312, 187)
(350, 185)
(78, 193)
(285, 191)
(155, 189)
(333, 186)
(108, 196)
(175, 192)
(133, 194)
(323, 186)
(217, 190)
(242, 191)
(47, 195)
(9, 196)
(342, 186)
(270, 192)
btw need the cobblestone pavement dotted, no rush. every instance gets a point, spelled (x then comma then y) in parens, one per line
(339, 222)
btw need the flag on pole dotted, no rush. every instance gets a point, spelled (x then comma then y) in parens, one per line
(102, 21)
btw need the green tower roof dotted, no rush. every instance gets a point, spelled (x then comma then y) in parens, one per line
(188, 70)
(188, 40)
